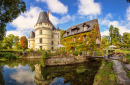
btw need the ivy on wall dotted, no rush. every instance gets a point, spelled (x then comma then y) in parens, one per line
(81, 44)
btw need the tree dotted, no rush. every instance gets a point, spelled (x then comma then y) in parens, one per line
(23, 42)
(111, 33)
(16, 42)
(4, 43)
(62, 33)
(115, 36)
(9, 10)
(11, 40)
(128, 1)
(126, 40)
(105, 41)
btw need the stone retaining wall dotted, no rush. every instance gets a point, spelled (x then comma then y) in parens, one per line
(65, 60)
(32, 55)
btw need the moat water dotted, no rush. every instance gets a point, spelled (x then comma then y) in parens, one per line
(27, 72)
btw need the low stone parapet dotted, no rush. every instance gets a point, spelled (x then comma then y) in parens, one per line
(64, 60)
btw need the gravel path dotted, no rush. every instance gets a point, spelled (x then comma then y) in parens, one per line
(122, 79)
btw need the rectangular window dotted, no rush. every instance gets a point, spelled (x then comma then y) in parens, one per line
(51, 42)
(84, 37)
(40, 32)
(85, 28)
(52, 36)
(40, 40)
(51, 48)
(40, 47)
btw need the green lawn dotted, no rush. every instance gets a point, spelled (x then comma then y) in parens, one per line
(106, 75)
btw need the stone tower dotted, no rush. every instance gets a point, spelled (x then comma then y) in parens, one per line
(31, 40)
(46, 35)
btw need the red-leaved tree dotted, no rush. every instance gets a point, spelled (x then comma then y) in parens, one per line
(23, 42)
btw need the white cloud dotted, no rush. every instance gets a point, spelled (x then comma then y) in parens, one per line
(56, 20)
(26, 21)
(105, 33)
(128, 13)
(89, 7)
(56, 6)
(22, 77)
(123, 27)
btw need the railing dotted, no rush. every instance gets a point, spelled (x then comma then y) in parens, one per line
(93, 53)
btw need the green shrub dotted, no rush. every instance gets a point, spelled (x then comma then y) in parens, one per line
(8, 56)
(75, 53)
(49, 51)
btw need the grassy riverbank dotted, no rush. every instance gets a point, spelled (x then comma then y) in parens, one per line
(105, 75)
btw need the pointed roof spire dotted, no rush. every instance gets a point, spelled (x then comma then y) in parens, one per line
(58, 28)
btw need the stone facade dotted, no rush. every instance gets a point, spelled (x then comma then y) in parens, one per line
(45, 35)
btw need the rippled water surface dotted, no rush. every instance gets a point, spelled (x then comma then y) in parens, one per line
(28, 72)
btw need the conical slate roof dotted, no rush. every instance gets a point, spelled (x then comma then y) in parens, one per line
(31, 35)
(43, 18)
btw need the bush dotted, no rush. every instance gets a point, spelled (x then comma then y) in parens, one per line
(49, 51)
(8, 55)
(75, 53)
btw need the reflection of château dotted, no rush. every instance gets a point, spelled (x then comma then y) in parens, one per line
(38, 79)
(72, 74)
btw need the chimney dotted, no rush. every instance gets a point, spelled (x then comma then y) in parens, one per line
(48, 14)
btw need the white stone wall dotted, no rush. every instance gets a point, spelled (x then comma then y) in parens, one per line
(46, 36)
(31, 43)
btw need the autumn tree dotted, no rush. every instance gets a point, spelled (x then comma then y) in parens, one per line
(23, 42)
(9, 10)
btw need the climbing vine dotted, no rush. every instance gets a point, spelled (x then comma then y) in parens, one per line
(81, 44)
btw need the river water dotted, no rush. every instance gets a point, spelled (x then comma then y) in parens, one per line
(28, 72)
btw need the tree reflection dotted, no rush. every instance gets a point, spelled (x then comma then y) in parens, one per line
(2, 82)
(80, 74)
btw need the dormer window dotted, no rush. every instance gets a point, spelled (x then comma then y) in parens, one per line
(85, 28)
(67, 33)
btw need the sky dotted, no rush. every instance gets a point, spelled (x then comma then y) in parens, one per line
(66, 13)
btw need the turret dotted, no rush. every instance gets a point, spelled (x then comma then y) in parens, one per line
(31, 40)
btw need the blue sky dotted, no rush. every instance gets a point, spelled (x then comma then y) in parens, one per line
(66, 13)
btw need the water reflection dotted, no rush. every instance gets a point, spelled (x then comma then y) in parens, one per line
(29, 72)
